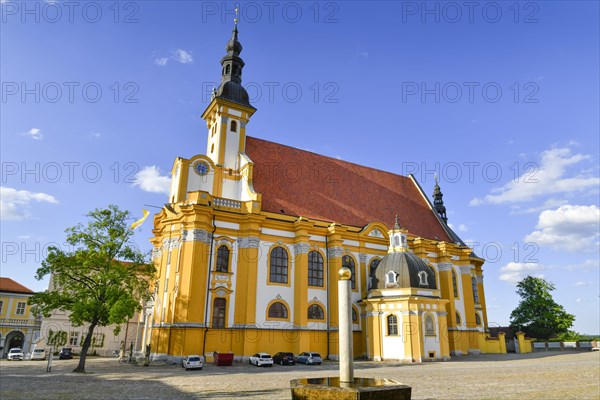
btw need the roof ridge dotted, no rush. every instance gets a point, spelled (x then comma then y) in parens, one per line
(330, 157)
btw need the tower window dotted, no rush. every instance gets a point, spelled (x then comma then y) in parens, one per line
(454, 284)
(278, 310)
(348, 262)
(235, 69)
(458, 320)
(233, 126)
(227, 69)
(477, 319)
(218, 319)
(475, 290)
(223, 259)
(372, 268)
(390, 277)
(315, 269)
(279, 266)
(354, 316)
(392, 325)
(315, 311)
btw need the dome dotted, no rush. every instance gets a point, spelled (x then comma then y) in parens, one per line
(233, 91)
(403, 270)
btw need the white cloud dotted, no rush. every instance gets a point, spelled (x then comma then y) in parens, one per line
(547, 178)
(578, 300)
(586, 266)
(582, 283)
(550, 203)
(570, 228)
(95, 135)
(182, 56)
(149, 179)
(161, 61)
(15, 204)
(463, 228)
(34, 133)
(514, 272)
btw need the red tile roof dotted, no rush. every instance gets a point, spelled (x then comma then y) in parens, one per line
(8, 285)
(298, 182)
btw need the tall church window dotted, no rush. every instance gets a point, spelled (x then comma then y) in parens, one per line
(315, 269)
(392, 325)
(315, 311)
(429, 325)
(218, 318)
(348, 262)
(354, 316)
(277, 310)
(233, 126)
(372, 268)
(475, 290)
(223, 259)
(278, 272)
(458, 320)
(454, 284)
(477, 319)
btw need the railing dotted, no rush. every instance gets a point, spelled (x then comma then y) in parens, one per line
(19, 322)
(227, 203)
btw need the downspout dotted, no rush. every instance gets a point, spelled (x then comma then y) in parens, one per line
(327, 286)
(210, 257)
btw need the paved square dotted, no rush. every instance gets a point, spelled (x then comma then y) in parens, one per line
(547, 375)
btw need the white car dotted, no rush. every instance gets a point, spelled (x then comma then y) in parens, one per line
(192, 362)
(38, 354)
(15, 354)
(261, 359)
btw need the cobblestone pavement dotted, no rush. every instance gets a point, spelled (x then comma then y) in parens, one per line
(545, 375)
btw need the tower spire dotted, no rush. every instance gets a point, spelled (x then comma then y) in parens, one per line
(232, 64)
(438, 202)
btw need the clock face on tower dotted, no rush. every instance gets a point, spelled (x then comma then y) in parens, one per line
(201, 168)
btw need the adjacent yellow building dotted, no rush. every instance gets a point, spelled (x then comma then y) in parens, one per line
(248, 247)
(18, 326)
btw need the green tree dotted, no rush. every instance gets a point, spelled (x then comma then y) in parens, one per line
(538, 314)
(101, 279)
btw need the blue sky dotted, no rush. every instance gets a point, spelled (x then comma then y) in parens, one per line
(501, 101)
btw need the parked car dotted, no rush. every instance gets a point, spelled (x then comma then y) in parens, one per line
(15, 354)
(310, 358)
(283, 358)
(261, 359)
(38, 354)
(192, 362)
(65, 354)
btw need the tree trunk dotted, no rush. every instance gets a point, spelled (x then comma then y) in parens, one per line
(85, 347)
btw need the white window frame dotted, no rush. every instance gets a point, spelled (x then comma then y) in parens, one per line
(21, 307)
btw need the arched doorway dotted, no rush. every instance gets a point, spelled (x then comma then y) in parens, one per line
(13, 339)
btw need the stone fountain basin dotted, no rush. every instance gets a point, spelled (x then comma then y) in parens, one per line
(362, 388)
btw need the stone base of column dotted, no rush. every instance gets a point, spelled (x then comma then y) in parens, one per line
(362, 389)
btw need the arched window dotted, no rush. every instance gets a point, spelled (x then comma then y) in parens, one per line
(454, 284)
(423, 278)
(348, 262)
(475, 290)
(315, 269)
(392, 325)
(354, 316)
(458, 320)
(390, 277)
(279, 266)
(315, 311)
(218, 318)
(396, 241)
(233, 126)
(235, 69)
(477, 319)
(277, 310)
(429, 325)
(372, 268)
(227, 69)
(223, 259)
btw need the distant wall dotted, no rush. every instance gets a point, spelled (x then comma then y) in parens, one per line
(564, 346)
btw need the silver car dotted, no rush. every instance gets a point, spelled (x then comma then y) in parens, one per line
(38, 354)
(310, 358)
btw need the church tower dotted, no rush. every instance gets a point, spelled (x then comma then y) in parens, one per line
(226, 118)
(438, 202)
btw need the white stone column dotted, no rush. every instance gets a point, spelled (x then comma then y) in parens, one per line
(345, 326)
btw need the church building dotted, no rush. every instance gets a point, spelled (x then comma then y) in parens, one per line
(248, 246)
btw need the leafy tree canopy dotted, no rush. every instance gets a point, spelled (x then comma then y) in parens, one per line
(101, 278)
(538, 314)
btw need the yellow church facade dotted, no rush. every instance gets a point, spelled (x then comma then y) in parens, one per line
(248, 246)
